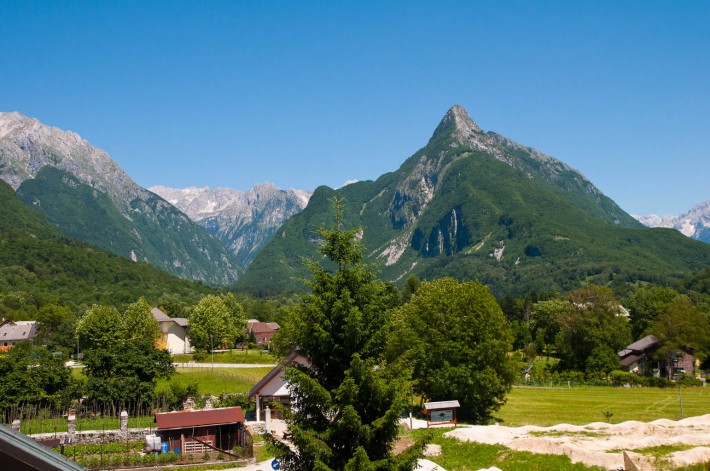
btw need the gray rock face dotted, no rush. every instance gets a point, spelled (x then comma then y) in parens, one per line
(27, 145)
(243, 221)
(146, 228)
(694, 224)
(418, 188)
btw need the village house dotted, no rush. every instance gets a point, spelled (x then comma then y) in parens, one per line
(12, 332)
(639, 357)
(174, 334)
(272, 389)
(263, 331)
(200, 431)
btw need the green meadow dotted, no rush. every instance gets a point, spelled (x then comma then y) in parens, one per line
(216, 381)
(582, 405)
(252, 356)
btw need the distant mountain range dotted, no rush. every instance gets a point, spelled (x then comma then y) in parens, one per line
(243, 221)
(470, 204)
(81, 190)
(476, 205)
(695, 223)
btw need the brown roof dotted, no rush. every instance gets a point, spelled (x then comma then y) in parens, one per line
(198, 418)
(262, 327)
(631, 359)
(645, 343)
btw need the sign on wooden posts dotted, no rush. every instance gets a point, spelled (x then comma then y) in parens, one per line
(440, 413)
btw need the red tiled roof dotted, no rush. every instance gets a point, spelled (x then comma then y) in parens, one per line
(198, 418)
(263, 327)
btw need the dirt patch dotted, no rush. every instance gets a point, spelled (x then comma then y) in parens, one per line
(401, 445)
(602, 444)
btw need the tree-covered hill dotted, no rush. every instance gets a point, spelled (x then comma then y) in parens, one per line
(89, 197)
(477, 206)
(39, 265)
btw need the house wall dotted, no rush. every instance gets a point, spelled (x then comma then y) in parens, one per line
(176, 339)
(687, 362)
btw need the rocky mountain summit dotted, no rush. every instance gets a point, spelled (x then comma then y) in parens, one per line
(243, 220)
(80, 189)
(27, 146)
(694, 224)
(473, 204)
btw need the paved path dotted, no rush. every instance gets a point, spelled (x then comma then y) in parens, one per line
(223, 365)
(262, 466)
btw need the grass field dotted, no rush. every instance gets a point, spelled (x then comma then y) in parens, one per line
(460, 456)
(578, 406)
(216, 381)
(253, 356)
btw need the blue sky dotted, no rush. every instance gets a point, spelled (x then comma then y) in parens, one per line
(307, 93)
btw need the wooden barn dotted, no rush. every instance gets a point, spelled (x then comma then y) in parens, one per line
(200, 431)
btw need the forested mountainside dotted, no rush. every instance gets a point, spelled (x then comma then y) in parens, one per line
(476, 205)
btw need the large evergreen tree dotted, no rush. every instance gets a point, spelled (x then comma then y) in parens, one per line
(348, 402)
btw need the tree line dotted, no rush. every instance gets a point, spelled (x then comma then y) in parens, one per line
(373, 347)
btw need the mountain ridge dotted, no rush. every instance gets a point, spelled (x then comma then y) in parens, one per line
(243, 220)
(28, 148)
(694, 223)
(477, 205)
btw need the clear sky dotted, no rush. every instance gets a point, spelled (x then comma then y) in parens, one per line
(304, 93)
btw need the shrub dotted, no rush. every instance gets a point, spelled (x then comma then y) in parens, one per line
(234, 399)
(199, 356)
(689, 380)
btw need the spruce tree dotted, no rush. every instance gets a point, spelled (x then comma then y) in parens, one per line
(347, 403)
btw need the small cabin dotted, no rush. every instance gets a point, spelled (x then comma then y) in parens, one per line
(200, 431)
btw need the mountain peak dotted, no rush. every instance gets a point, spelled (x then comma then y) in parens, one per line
(457, 121)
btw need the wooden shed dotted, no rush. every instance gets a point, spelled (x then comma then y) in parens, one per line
(199, 431)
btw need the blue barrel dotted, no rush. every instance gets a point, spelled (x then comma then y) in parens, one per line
(166, 447)
(177, 451)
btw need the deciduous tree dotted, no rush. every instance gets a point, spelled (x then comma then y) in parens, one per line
(100, 326)
(460, 344)
(31, 374)
(125, 373)
(595, 324)
(682, 327)
(215, 322)
(139, 325)
(646, 304)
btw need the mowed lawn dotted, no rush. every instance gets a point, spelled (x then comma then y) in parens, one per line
(253, 356)
(582, 405)
(218, 380)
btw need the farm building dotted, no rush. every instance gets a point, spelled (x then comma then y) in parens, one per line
(200, 431)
